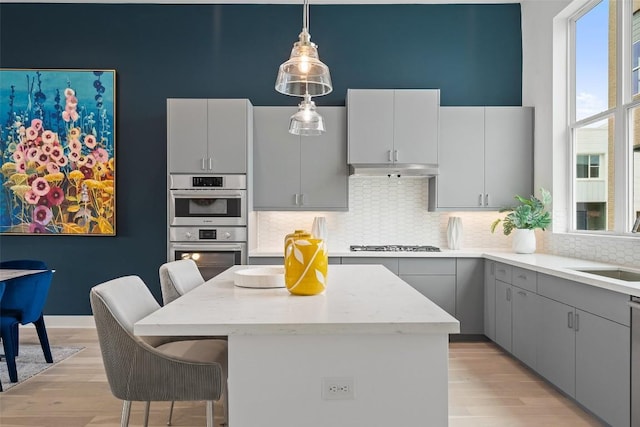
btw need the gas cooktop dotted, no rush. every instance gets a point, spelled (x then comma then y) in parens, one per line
(393, 248)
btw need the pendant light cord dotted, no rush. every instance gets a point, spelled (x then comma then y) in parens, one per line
(305, 16)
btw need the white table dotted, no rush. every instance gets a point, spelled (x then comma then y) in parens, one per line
(369, 329)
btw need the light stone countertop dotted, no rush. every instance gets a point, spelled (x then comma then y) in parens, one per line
(558, 266)
(359, 299)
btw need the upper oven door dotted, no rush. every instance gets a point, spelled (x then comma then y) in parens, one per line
(208, 207)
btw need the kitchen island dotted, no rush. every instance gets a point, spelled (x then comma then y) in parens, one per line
(369, 351)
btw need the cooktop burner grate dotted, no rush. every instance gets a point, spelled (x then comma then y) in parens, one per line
(393, 248)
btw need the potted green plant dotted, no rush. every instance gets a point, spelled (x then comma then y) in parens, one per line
(524, 219)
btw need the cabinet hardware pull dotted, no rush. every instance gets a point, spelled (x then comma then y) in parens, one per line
(389, 153)
(395, 155)
(522, 276)
(486, 199)
(202, 163)
(210, 163)
(570, 319)
(302, 199)
(523, 293)
(508, 294)
(480, 200)
(296, 199)
(577, 322)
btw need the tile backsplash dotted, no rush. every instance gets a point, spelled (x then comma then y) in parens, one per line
(382, 210)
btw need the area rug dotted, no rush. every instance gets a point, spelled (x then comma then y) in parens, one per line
(31, 362)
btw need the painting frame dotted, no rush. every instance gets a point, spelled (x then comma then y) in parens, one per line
(58, 151)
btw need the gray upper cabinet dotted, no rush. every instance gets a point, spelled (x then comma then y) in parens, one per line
(485, 157)
(299, 172)
(389, 126)
(208, 135)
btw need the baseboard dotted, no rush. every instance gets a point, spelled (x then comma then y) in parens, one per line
(67, 322)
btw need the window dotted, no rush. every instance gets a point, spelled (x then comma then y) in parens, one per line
(605, 119)
(588, 166)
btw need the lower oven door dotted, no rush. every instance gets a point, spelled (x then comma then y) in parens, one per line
(211, 258)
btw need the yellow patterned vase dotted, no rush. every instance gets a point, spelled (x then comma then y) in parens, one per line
(305, 263)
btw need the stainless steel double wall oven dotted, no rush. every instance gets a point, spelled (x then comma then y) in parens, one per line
(208, 221)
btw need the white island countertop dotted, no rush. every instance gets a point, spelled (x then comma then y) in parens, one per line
(359, 299)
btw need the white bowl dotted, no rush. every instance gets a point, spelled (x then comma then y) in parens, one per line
(261, 277)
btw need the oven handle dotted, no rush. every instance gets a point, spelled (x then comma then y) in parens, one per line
(207, 246)
(235, 194)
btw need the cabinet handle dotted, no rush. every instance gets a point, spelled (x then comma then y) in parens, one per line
(522, 276)
(210, 163)
(395, 155)
(523, 293)
(296, 195)
(570, 320)
(202, 163)
(480, 200)
(486, 199)
(389, 153)
(302, 199)
(508, 294)
(577, 328)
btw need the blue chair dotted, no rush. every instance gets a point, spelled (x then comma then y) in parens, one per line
(23, 301)
(24, 264)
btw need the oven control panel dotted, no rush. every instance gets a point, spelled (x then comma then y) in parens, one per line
(208, 234)
(207, 181)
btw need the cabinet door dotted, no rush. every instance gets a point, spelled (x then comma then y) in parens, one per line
(415, 126)
(525, 326)
(390, 263)
(187, 135)
(556, 344)
(276, 159)
(603, 367)
(439, 289)
(228, 135)
(370, 115)
(490, 299)
(470, 295)
(503, 314)
(508, 154)
(460, 182)
(324, 172)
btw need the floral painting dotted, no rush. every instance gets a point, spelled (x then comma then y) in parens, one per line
(57, 147)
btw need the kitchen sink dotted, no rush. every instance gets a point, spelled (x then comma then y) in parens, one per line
(614, 273)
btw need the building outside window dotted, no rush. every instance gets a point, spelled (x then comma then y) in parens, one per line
(605, 129)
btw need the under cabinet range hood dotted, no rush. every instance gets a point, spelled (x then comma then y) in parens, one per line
(397, 169)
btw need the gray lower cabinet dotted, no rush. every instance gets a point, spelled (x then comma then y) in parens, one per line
(298, 172)
(470, 295)
(439, 289)
(490, 299)
(390, 263)
(504, 292)
(524, 325)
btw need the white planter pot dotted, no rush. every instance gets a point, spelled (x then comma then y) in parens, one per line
(524, 241)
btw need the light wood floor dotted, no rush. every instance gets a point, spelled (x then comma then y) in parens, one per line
(486, 388)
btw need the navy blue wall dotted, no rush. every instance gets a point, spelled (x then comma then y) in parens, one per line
(473, 53)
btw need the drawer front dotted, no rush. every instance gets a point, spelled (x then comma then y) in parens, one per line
(433, 266)
(525, 279)
(390, 263)
(503, 272)
(601, 302)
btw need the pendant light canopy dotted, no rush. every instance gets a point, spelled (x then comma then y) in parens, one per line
(306, 121)
(304, 74)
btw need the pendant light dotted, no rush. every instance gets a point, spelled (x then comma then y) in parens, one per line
(304, 74)
(306, 121)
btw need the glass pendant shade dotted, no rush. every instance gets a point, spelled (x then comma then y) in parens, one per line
(306, 121)
(304, 72)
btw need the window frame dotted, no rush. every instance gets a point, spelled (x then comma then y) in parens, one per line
(622, 121)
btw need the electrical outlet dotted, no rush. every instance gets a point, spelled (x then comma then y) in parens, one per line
(338, 388)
